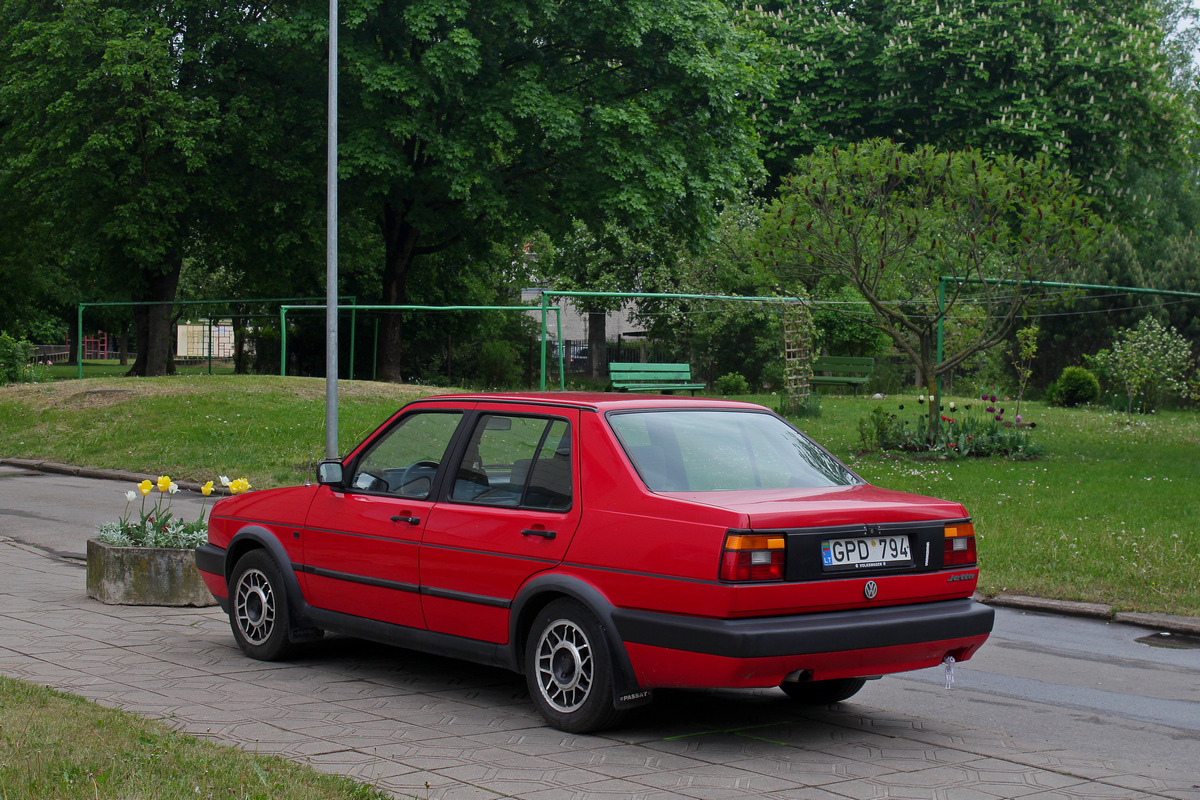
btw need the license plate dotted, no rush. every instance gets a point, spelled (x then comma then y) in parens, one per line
(865, 553)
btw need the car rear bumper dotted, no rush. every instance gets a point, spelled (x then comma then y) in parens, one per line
(671, 650)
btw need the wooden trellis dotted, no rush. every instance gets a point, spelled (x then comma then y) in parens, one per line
(797, 354)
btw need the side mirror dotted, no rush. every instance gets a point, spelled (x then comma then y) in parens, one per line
(329, 473)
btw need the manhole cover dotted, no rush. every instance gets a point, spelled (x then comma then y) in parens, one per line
(1175, 641)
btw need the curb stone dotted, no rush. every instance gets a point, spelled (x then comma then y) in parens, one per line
(1187, 626)
(1170, 623)
(96, 472)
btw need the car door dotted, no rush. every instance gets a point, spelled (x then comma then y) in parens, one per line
(362, 539)
(509, 512)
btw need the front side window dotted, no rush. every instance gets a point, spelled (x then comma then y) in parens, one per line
(404, 460)
(516, 462)
(727, 450)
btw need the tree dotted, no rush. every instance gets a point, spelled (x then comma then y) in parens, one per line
(721, 337)
(891, 223)
(489, 119)
(132, 136)
(1091, 85)
(609, 258)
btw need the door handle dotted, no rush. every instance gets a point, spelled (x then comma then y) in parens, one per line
(543, 534)
(409, 520)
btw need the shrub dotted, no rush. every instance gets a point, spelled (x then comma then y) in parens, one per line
(1076, 386)
(16, 361)
(498, 364)
(1148, 362)
(732, 383)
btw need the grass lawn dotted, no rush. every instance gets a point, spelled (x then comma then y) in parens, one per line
(54, 745)
(1111, 514)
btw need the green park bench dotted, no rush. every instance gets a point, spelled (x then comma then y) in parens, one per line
(841, 371)
(664, 378)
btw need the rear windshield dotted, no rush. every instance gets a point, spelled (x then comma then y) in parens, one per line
(725, 450)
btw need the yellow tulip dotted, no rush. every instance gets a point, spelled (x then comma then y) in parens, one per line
(207, 489)
(239, 485)
(145, 486)
(164, 483)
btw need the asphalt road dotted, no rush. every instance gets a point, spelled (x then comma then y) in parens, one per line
(59, 513)
(1051, 707)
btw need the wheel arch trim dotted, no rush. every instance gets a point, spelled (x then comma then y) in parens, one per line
(256, 537)
(544, 589)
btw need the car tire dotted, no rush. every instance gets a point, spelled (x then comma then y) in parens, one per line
(568, 669)
(822, 693)
(258, 611)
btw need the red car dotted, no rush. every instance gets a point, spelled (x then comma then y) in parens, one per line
(604, 545)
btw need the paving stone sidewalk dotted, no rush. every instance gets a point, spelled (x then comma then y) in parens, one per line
(426, 727)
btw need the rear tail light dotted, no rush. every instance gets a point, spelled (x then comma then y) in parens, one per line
(753, 557)
(960, 545)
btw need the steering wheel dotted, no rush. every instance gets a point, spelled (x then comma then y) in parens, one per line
(410, 480)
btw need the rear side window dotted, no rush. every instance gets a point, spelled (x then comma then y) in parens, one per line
(516, 461)
(726, 450)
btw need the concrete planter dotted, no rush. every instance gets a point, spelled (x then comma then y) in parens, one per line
(144, 576)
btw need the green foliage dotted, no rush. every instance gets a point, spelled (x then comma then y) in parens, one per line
(846, 328)
(718, 337)
(498, 364)
(1076, 386)
(890, 223)
(969, 434)
(17, 363)
(731, 383)
(138, 137)
(486, 120)
(1177, 268)
(1022, 357)
(1147, 362)
(1088, 84)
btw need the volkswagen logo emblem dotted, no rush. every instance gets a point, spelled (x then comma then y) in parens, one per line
(870, 590)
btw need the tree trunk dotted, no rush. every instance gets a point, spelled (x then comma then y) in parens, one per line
(155, 331)
(927, 371)
(123, 345)
(400, 240)
(597, 338)
(74, 345)
(239, 345)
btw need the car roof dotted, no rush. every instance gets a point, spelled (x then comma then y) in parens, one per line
(596, 401)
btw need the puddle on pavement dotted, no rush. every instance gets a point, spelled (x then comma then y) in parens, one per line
(1173, 641)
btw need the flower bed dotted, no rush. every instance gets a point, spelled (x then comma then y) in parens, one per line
(982, 432)
(150, 559)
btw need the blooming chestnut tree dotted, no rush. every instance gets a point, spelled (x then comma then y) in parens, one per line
(1147, 356)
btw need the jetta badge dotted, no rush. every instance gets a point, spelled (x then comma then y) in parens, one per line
(870, 590)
